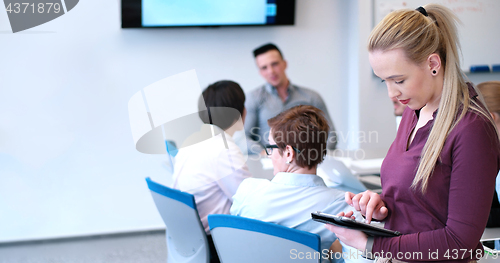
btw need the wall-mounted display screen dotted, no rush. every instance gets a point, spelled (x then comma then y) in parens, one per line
(206, 13)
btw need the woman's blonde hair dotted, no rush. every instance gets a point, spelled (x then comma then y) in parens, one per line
(420, 36)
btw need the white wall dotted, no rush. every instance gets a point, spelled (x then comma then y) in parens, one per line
(376, 117)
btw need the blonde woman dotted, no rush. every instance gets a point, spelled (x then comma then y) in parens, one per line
(438, 177)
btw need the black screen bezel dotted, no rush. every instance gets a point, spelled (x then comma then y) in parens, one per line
(131, 15)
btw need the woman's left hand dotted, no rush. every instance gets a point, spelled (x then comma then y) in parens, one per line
(353, 238)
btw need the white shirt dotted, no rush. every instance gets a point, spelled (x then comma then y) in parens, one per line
(398, 121)
(212, 173)
(288, 200)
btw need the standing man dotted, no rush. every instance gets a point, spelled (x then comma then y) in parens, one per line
(399, 108)
(277, 95)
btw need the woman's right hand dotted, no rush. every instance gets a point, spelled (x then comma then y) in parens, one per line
(369, 204)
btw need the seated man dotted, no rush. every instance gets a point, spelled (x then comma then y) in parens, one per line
(277, 95)
(491, 93)
(399, 108)
(297, 144)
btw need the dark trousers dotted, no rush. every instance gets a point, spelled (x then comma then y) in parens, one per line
(214, 258)
(494, 218)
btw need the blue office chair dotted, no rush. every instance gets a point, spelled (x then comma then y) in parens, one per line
(171, 147)
(242, 240)
(186, 238)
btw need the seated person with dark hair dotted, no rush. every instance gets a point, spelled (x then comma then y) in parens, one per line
(277, 95)
(491, 94)
(212, 168)
(297, 144)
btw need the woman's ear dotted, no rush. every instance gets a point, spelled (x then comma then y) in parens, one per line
(244, 114)
(434, 62)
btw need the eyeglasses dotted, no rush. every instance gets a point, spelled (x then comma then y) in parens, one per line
(269, 148)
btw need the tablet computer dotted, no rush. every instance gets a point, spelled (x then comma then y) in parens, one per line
(350, 223)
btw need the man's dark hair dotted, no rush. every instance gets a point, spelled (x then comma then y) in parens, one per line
(224, 101)
(264, 48)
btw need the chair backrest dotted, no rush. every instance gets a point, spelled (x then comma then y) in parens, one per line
(186, 238)
(240, 239)
(171, 146)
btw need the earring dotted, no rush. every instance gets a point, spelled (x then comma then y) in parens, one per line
(287, 162)
(434, 72)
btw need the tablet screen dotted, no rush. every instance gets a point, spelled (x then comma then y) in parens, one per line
(350, 223)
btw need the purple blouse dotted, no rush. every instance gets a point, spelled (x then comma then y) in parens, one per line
(446, 223)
